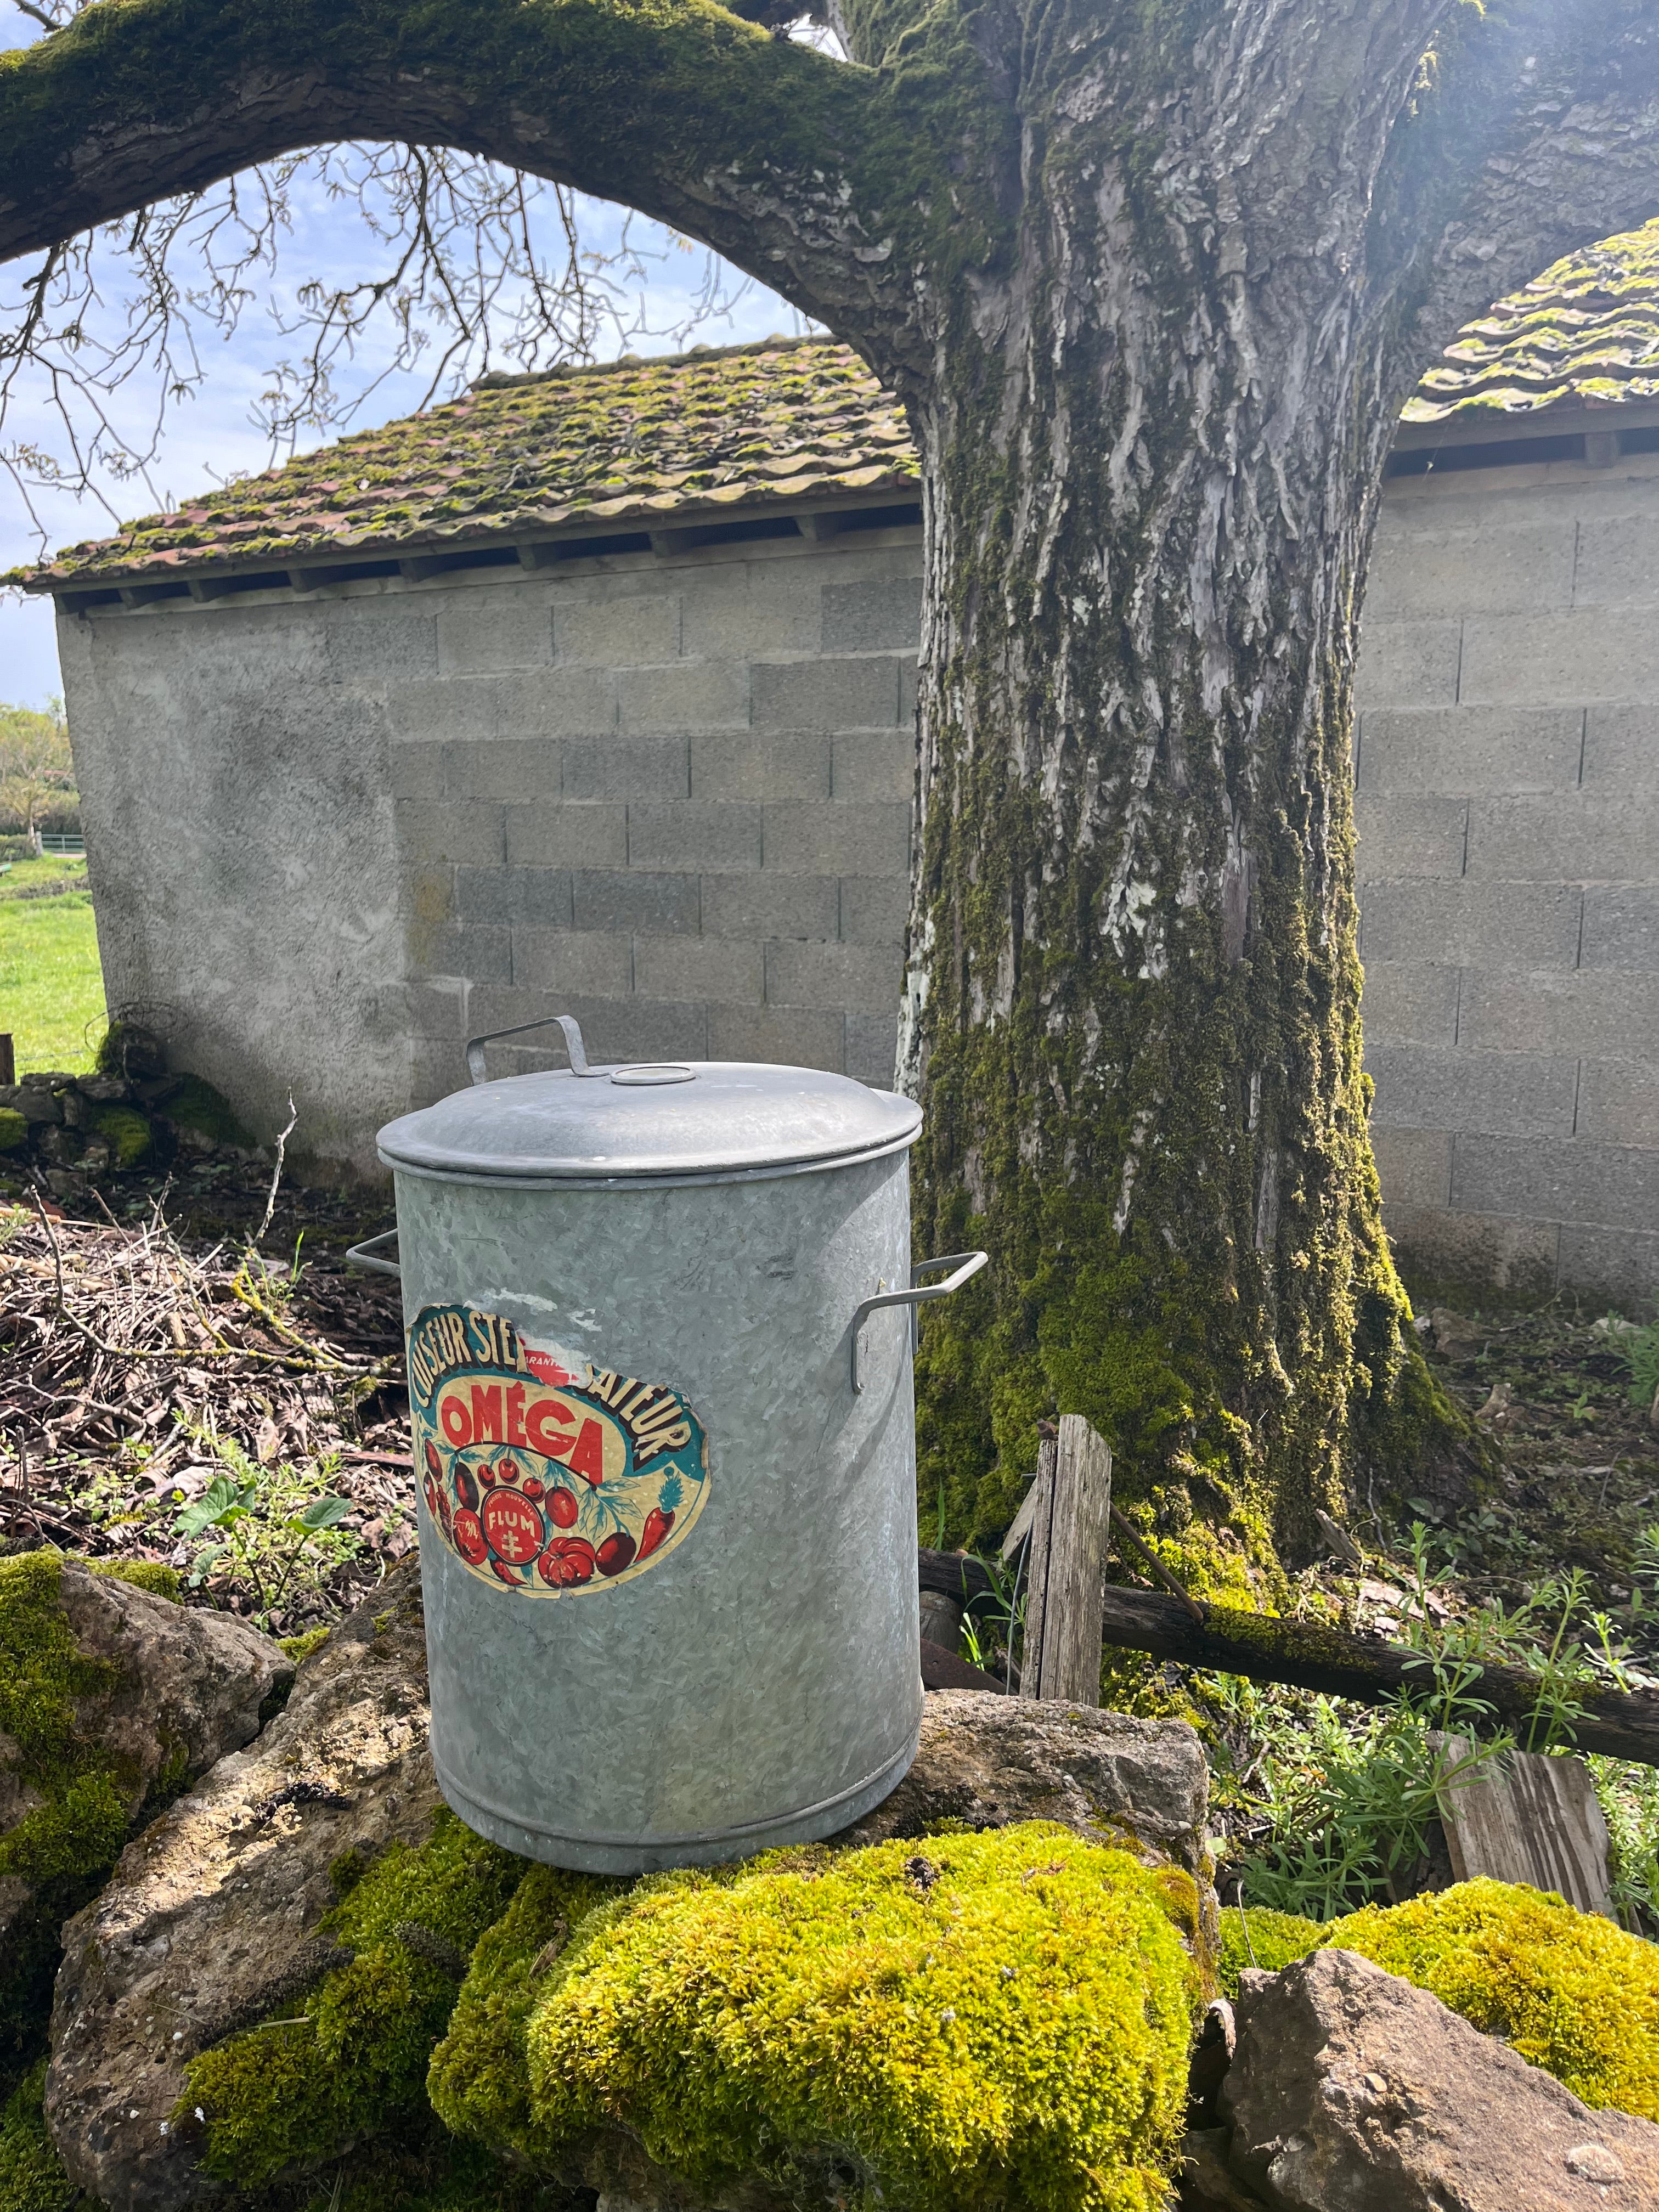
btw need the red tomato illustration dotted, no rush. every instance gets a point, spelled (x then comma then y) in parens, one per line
(532, 1488)
(434, 1465)
(507, 1470)
(445, 1514)
(657, 1526)
(470, 1538)
(465, 1489)
(616, 1552)
(566, 1560)
(562, 1508)
(514, 1526)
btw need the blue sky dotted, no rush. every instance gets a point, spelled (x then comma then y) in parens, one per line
(212, 433)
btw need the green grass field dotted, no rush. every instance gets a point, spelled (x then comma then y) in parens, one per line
(51, 988)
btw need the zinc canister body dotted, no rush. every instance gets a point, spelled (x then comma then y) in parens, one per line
(665, 1466)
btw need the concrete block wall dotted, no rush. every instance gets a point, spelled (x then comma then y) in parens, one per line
(671, 796)
(1507, 787)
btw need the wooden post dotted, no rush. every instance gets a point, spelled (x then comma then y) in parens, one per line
(1066, 1567)
(1528, 1819)
(8, 1059)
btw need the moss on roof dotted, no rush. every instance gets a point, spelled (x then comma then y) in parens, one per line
(1584, 333)
(785, 420)
(632, 441)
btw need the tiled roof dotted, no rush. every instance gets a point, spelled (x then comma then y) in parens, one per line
(1585, 333)
(743, 427)
(717, 429)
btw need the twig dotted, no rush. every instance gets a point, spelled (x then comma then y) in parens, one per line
(283, 1137)
(1155, 1567)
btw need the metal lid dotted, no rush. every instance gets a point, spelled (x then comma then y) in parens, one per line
(712, 1119)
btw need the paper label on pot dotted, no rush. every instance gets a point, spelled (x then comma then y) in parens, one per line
(542, 1472)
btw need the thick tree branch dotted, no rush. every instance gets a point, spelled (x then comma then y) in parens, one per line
(1537, 133)
(816, 177)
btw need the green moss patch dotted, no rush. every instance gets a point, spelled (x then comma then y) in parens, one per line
(151, 1574)
(356, 2051)
(196, 1105)
(32, 2176)
(298, 1649)
(126, 1132)
(976, 2020)
(1265, 1940)
(14, 1129)
(82, 1825)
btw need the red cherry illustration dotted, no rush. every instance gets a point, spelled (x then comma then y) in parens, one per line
(562, 1508)
(657, 1526)
(532, 1488)
(566, 1560)
(507, 1470)
(616, 1552)
(470, 1538)
(487, 1476)
(434, 1465)
(465, 1489)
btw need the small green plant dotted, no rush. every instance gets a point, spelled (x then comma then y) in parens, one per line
(1639, 1347)
(993, 1623)
(268, 1530)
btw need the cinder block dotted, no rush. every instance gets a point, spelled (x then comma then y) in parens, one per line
(372, 644)
(874, 910)
(630, 898)
(793, 1036)
(1618, 561)
(1618, 1103)
(437, 1068)
(431, 831)
(838, 838)
(1475, 1252)
(1621, 746)
(618, 632)
(769, 764)
(865, 978)
(438, 1007)
(1471, 749)
(536, 898)
(1408, 664)
(502, 768)
(767, 903)
(417, 771)
(1547, 1179)
(566, 834)
(688, 833)
(429, 895)
(1572, 837)
(1403, 835)
(596, 963)
(1410, 1003)
(627, 768)
(1420, 574)
(1536, 660)
(437, 708)
(1620, 1266)
(554, 702)
(733, 611)
(724, 970)
(1621, 925)
(872, 1048)
(494, 626)
(909, 679)
(481, 954)
(825, 695)
(1496, 1093)
(1497, 925)
(1414, 1167)
(875, 765)
(1600, 1014)
(876, 613)
(689, 695)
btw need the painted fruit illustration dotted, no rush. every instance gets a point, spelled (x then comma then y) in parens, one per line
(566, 1560)
(532, 1487)
(487, 1475)
(465, 1489)
(661, 1519)
(434, 1465)
(507, 1470)
(616, 1552)
(470, 1538)
(505, 1575)
(512, 1526)
(562, 1508)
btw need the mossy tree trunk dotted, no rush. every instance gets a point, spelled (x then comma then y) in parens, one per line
(1152, 277)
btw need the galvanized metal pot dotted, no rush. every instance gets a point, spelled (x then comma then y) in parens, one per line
(665, 1448)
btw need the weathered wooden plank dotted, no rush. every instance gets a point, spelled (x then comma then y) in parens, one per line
(1529, 1819)
(1037, 1501)
(943, 1670)
(1066, 1570)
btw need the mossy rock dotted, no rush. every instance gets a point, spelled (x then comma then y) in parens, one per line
(1570, 1991)
(126, 1132)
(14, 1130)
(129, 1050)
(196, 1106)
(974, 2019)
(32, 2176)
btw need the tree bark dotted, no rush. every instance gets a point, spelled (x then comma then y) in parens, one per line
(1152, 277)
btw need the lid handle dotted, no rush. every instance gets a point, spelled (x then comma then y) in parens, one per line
(572, 1038)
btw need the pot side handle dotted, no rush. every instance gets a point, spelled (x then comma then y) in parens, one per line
(966, 1264)
(363, 1256)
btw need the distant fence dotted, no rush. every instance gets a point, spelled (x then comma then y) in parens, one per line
(76, 846)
